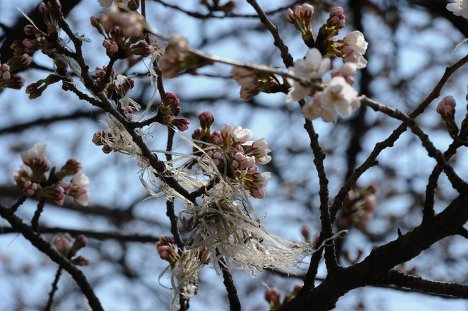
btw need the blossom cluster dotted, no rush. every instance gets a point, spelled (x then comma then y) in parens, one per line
(178, 59)
(169, 111)
(124, 33)
(232, 151)
(36, 39)
(337, 97)
(358, 208)
(68, 247)
(31, 178)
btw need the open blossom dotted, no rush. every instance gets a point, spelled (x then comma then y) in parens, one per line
(5, 72)
(354, 47)
(337, 98)
(248, 81)
(170, 62)
(459, 8)
(36, 158)
(259, 149)
(313, 67)
(241, 135)
(78, 188)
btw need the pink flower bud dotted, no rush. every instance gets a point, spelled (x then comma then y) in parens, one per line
(111, 47)
(337, 18)
(446, 108)
(272, 296)
(63, 244)
(197, 134)
(173, 102)
(305, 232)
(216, 138)
(181, 123)
(206, 120)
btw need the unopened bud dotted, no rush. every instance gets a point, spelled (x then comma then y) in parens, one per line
(181, 123)
(272, 296)
(305, 232)
(446, 108)
(81, 261)
(206, 120)
(63, 243)
(172, 101)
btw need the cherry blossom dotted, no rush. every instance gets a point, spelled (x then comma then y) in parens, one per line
(313, 67)
(79, 188)
(459, 8)
(354, 47)
(337, 98)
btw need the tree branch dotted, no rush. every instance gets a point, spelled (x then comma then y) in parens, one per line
(44, 247)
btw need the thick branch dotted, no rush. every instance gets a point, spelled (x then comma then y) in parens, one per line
(375, 267)
(414, 282)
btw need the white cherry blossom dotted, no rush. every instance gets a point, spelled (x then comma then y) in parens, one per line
(459, 8)
(313, 67)
(337, 98)
(354, 47)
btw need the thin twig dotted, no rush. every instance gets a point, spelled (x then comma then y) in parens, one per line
(54, 288)
(37, 214)
(98, 235)
(14, 207)
(229, 15)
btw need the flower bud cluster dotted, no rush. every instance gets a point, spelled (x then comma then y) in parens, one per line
(301, 19)
(8, 77)
(37, 39)
(170, 109)
(101, 138)
(177, 59)
(124, 33)
(231, 150)
(252, 82)
(69, 247)
(167, 251)
(335, 22)
(31, 178)
(351, 48)
(51, 13)
(116, 87)
(358, 207)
